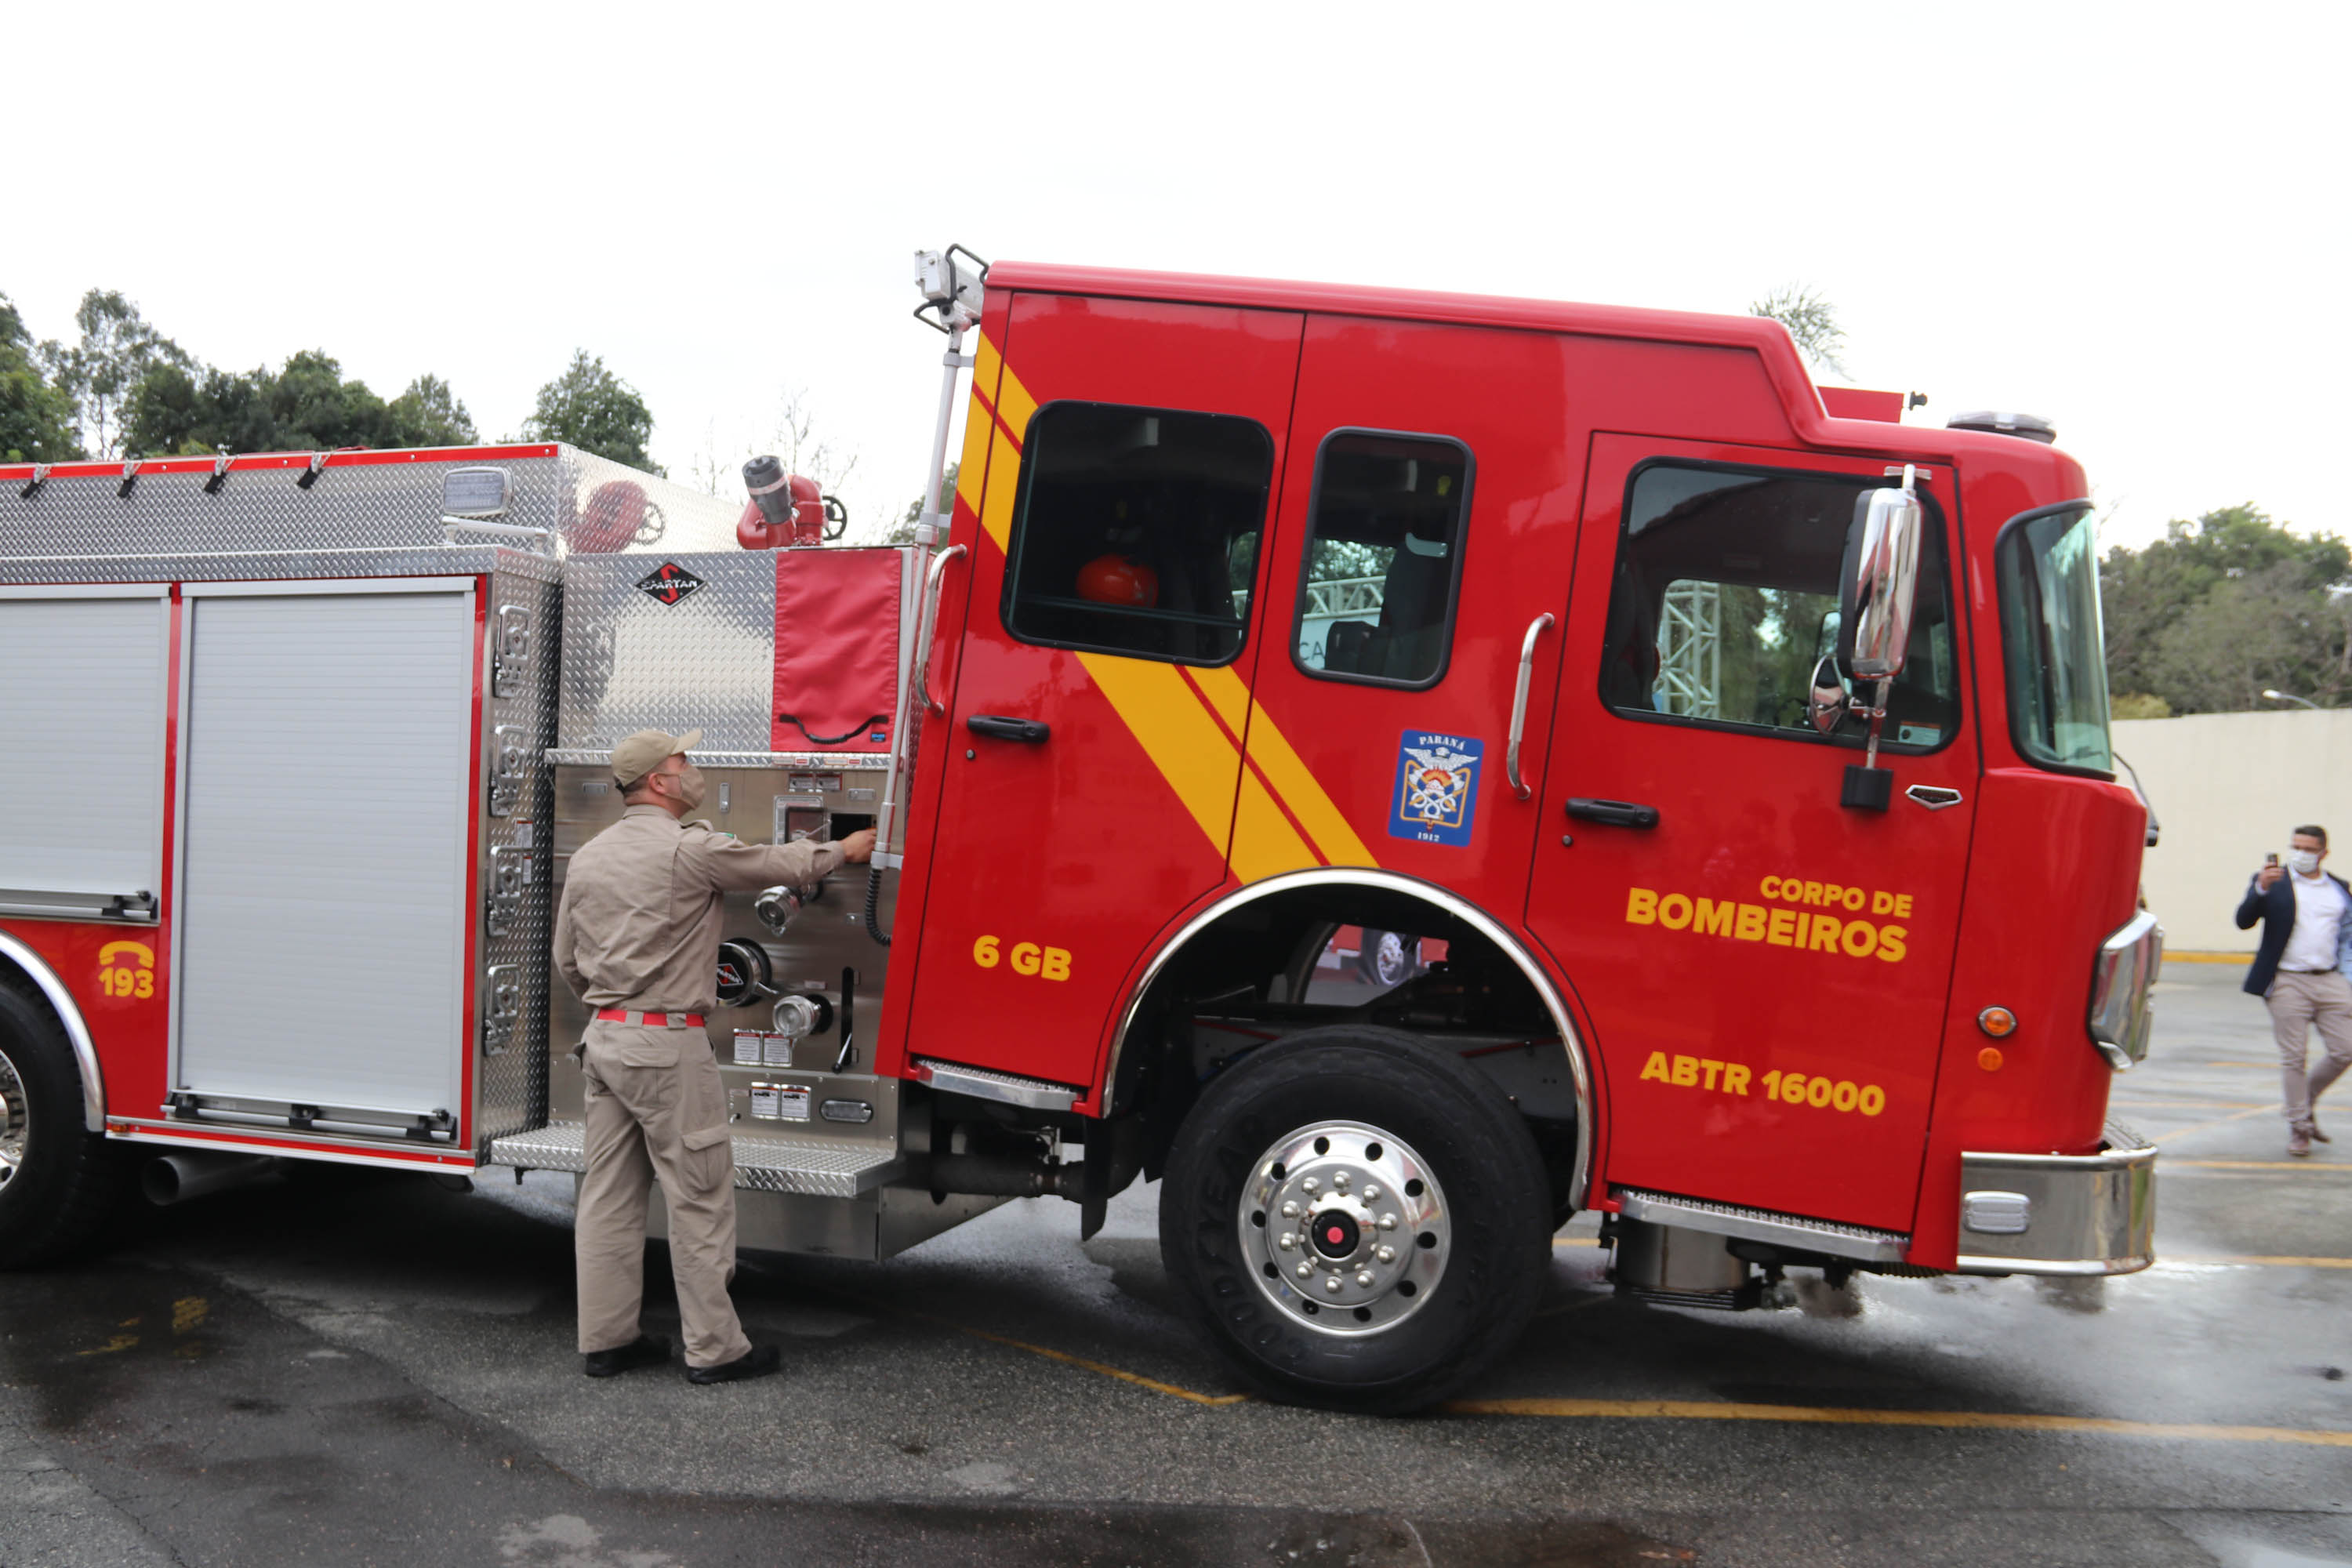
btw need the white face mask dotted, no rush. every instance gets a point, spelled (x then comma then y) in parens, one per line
(2303, 862)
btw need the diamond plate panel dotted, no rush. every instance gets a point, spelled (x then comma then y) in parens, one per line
(762, 1165)
(517, 802)
(595, 507)
(632, 662)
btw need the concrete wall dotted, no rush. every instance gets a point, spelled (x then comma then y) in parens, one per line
(2228, 787)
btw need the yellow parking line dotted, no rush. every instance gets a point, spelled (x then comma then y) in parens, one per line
(2208, 1126)
(1965, 1420)
(1576, 1241)
(1137, 1378)
(2256, 1165)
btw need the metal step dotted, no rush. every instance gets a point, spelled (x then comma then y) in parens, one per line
(764, 1162)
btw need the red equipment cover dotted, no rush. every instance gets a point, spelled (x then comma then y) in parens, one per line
(836, 649)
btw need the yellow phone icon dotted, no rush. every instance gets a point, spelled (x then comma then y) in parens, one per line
(126, 969)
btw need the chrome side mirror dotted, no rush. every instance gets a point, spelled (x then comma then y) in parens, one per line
(1883, 580)
(1874, 605)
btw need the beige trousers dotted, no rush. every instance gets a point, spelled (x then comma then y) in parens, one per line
(2298, 1004)
(656, 1109)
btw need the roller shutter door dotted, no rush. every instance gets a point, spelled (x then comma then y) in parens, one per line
(82, 676)
(325, 804)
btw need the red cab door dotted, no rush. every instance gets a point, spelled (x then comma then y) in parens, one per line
(1765, 970)
(1090, 779)
(1428, 532)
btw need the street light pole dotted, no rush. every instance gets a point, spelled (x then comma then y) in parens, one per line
(2289, 696)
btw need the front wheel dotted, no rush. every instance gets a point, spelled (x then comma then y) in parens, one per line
(58, 1182)
(1358, 1219)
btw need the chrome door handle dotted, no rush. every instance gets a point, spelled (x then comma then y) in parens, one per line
(929, 623)
(1519, 703)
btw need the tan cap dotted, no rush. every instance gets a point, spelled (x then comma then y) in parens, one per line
(642, 753)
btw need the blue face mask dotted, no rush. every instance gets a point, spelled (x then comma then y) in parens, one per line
(2303, 862)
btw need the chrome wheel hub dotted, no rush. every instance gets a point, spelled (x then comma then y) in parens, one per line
(16, 1111)
(1344, 1228)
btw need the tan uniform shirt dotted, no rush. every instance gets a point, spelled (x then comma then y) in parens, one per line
(639, 923)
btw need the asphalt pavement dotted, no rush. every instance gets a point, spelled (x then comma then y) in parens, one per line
(351, 1368)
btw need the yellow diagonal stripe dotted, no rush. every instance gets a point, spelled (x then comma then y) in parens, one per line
(1265, 843)
(1182, 742)
(971, 468)
(1003, 483)
(1288, 773)
(1014, 405)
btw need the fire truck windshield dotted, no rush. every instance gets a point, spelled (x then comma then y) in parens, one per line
(2049, 569)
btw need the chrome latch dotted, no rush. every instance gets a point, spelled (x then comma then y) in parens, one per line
(502, 1006)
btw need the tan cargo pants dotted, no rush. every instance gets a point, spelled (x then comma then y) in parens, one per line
(656, 1109)
(2299, 1003)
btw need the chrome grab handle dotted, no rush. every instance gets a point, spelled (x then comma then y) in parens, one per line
(1519, 703)
(930, 625)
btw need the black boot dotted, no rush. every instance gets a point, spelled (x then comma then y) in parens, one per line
(643, 1351)
(757, 1362)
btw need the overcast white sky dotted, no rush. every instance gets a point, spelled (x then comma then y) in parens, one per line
(2130, 219)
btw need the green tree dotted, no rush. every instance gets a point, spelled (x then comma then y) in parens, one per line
(1812, 321)
(36, 419)
(597, 411)
(429, 415)
(101, 373)
(306, 405)
(2220, 609)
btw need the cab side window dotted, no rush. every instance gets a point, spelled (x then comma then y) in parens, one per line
(1384, 558)
(1136, 530)
(1725, 598)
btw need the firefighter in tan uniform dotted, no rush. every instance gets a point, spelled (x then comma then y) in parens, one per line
(637, 937)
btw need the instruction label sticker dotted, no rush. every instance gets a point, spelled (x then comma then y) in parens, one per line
(779, 1050)
(747, 1047)
(792, 1101)
(1436, 796)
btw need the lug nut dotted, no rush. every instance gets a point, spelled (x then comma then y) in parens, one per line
(1388, 1222)
(1305, 1270)
(1371, 1194)
(1364, 1277)
(1287, 1242)
(1310, 1186)
(1384, 1254)
(1290, 1210)
(1332, 1284)
(1339, 1181)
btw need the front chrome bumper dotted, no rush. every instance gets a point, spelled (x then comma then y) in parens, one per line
(2060, 1214)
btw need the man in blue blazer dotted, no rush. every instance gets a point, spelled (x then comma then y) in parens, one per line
(2303, 970)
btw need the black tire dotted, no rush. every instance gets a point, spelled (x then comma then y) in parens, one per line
(60, 1180)
(1451, 1120)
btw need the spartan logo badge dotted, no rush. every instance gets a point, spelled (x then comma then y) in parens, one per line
(668, 583)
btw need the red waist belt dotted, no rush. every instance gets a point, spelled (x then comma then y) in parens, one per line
(650, 1020)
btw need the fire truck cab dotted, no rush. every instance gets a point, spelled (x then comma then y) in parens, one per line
(1725, 761)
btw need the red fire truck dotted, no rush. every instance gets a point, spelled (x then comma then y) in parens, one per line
(1727, 760)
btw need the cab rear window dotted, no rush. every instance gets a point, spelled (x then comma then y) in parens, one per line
(1384, 558)
(1725, 600)
(1136, 530)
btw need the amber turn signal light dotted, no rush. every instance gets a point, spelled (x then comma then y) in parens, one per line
(1998, 1022)
(1989, 1058)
